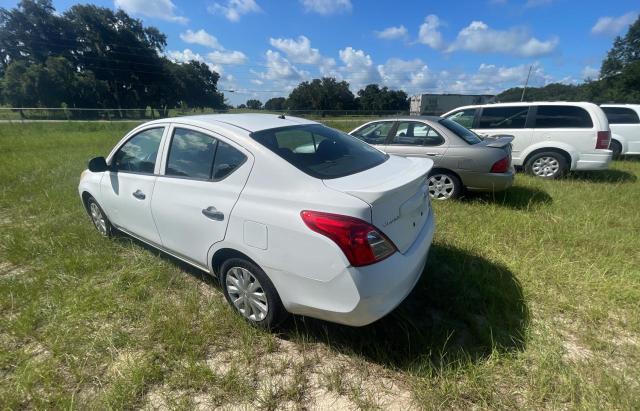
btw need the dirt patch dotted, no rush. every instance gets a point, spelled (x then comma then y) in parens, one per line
(9, 270)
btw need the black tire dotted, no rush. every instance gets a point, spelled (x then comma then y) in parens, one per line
(444, 185)
(275, 312)
(101, 222)
(549, 165)
(616, 147)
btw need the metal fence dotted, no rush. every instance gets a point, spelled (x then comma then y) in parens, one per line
(115, 114)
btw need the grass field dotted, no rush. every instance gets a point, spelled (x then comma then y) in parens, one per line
(530, 299)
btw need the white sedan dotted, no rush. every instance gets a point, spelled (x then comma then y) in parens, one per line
(340, 232)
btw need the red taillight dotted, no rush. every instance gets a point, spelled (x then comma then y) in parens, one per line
(500, 166)
(603, 140)
(360, 242)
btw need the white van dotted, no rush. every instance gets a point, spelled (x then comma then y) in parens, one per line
(624, 120)
(550, 138)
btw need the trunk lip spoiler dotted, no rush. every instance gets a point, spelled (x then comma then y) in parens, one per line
(499, 141)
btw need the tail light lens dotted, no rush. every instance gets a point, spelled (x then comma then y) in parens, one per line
(500, 166)
(603, 139)
(360, 242)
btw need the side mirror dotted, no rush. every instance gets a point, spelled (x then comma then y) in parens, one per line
(98, 165)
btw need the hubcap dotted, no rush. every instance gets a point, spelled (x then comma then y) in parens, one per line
(98, 219)
(441, 186)
(545, 166)
(246, 294)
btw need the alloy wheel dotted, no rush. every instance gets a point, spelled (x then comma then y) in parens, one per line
(246, 294)
(441, 186)
(98, 218)
(546, 166)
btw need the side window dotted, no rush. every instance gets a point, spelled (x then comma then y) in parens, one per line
(139, 153)
(464, 117)
(621, 115)
(503, 117)
(416, 134)
(375, 133)
(191, 154)
(227, 160)
(562, 117)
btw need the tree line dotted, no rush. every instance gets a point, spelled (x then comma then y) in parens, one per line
(329, 94)
(619, 79)
(94, 57)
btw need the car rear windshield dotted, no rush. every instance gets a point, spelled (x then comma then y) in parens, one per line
(320, 151)
(460, 131)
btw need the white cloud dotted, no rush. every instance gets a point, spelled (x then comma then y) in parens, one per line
(614, 25)
(392, 33)
(300, 51)
(408, 74)
(480, 38)
(234, 9)
(590, 73)
(429, 33)
(227, 57)
(492, 79)
(326, 7)
(279, 69)
(358, 68)
(159, 9)
(184, 56)
(202, 38)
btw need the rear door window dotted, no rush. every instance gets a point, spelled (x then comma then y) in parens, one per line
(200, 156)
(414, 133)
(621, 115)
(320, 151)
(464, 117)
(375, 133)
(503, 117)
(563, 117)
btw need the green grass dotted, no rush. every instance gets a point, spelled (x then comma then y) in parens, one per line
(530, 299)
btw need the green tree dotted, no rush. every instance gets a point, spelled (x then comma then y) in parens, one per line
(322, 94)
(254, 104)
(372, 97)
(276, 104)
(625, 51)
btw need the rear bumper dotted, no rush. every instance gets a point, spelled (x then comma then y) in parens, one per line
(594, 161)
(361, 295)
(488, 181)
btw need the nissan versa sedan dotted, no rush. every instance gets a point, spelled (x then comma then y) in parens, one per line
(339, 232)
(462, 160)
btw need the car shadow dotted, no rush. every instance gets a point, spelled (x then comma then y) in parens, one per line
(602, 176)
(462, 309)
(519, 198)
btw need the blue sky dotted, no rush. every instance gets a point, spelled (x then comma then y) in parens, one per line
(264, 48)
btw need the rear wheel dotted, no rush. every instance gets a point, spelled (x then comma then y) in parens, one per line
(99, 218)
(250, 292)
(444, 185)
(548, 165)
(616, 147)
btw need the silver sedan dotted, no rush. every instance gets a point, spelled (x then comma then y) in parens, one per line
(462, 159)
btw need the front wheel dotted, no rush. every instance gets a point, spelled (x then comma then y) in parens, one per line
(99, 218)
(250, 292)
(549, 165)
(443, 185)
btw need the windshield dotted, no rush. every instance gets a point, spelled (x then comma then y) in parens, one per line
(320, 151)
(460, 131)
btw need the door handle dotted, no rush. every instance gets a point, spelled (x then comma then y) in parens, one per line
(212, 213)
(432, 154)
(139, 195)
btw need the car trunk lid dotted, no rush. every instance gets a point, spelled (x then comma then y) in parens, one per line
(397, 193)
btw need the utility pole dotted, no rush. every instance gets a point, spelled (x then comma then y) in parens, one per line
(526, 83)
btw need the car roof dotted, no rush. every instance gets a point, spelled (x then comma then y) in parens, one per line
(248, 122)
(407, 118)
(620, 105)
(583, 104)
